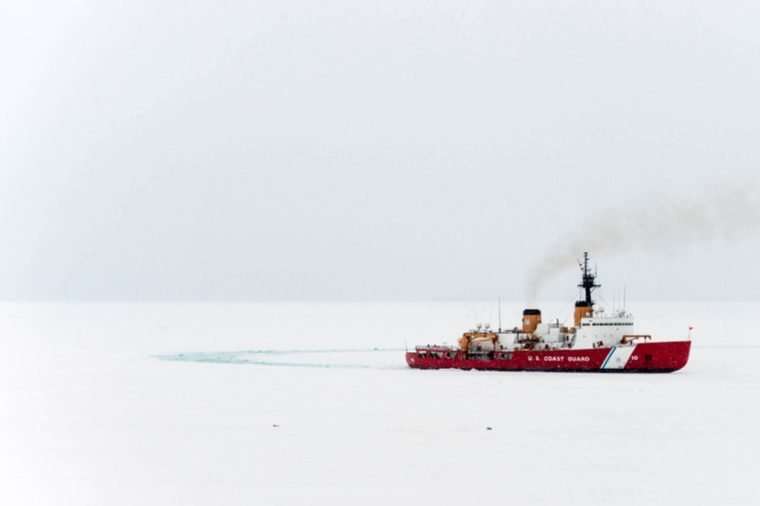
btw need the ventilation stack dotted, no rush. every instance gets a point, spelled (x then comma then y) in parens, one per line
(531, 319)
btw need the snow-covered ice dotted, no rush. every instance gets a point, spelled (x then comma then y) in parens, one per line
(294, 403)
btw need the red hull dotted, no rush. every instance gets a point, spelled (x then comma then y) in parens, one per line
(644, 357)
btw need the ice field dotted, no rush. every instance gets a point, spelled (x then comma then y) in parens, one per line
(300, 404)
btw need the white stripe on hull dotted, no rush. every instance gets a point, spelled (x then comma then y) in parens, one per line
(618, 357)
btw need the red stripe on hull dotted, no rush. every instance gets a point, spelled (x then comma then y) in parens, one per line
(646, 357)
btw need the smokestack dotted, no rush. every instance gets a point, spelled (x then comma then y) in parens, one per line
(582, 309)
(531, 319)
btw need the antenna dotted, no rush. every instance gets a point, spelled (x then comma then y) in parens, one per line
(624, 297)
(499, 314)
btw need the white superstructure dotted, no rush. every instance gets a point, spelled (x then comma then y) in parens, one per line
(601, 330)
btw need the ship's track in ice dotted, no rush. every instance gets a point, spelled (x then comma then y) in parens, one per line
(325, 358)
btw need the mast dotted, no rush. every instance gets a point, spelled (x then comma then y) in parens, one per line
(588, 281)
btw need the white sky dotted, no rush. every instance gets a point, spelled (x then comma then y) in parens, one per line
(365, 150)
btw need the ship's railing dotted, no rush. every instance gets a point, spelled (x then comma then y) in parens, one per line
(433, 348)
(435, 351)
(630, 338)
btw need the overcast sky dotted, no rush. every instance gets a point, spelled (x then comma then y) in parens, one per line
(368, 150)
